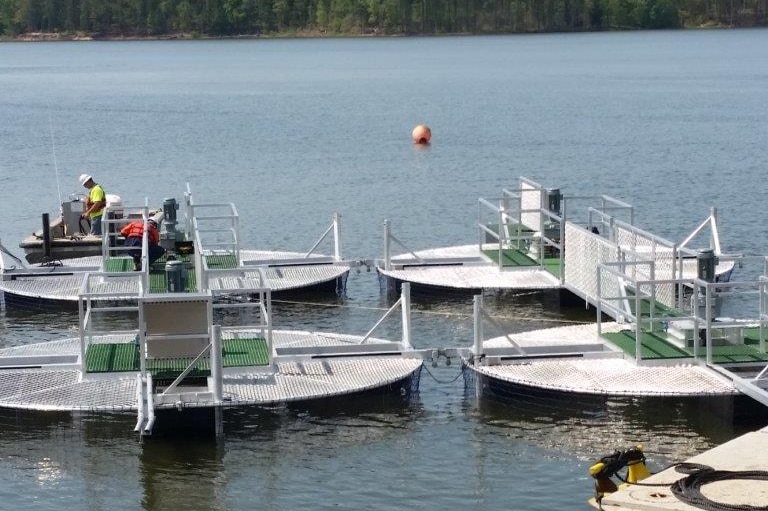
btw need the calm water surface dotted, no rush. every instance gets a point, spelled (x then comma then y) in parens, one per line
(294, 130)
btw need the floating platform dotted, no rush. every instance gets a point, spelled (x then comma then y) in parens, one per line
(468, 268)
(661, 343)
(208, 349)
(534, 238)
(62, 283)
(574, 360)
(208, 230)
(305, 366)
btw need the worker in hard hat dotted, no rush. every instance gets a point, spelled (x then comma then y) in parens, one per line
(94, 203)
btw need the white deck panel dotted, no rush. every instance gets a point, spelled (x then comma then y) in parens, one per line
(479, 273)
(49, 388)
(599, 376)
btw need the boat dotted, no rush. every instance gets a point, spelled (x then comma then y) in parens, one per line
(204, 340)
(522, 245)
(56, 282)
(66, 236)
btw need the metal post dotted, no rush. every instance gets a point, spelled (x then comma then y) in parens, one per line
(337, 236)
(478, 315)
(142, 339)
(216, 372)
(387, 262)
(81, 316)
(638, 327)
(708, 314)
(599, 304)
(46, 237)
(405, 308)
(762, 317)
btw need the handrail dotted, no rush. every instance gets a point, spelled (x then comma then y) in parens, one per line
(335, 227)
(388, 237)
(478, 315)
(404, 302)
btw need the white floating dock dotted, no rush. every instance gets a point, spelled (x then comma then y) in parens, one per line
(465, 267)
(62, 284)
(45, 376)
(574, 360)
(534, 238)
(208, 349)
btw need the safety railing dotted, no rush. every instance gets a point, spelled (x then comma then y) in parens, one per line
(404, 304)
(100, 295)
(635, 301)
(332, 232)
(480, 317)
(113, 246)
(216, 227)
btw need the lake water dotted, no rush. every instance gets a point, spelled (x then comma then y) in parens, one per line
(294, 130)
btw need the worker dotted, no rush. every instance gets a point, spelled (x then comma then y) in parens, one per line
(133, 234)
(94, 203)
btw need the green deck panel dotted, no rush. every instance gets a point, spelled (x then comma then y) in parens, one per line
(659, 309)
(245, 352)
(119, 264)
(158, 283)
(734, 353)
(552, 265)
(511, 257)
(655, 346)
(221, 261)
(122, 357)
(514, 258)
(116, 358)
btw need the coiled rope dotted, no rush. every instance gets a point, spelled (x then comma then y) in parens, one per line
(688, 489)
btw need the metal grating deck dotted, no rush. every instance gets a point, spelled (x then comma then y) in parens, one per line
(52, 388)
(477, 272)
(599, 370)
(63, 283)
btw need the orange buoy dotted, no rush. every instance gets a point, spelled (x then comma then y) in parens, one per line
(421, 134)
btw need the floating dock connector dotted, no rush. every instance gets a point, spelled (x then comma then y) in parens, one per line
(421, 134)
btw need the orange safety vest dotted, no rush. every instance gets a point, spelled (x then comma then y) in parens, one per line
(136, 230)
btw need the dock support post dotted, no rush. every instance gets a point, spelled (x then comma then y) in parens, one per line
(387, 264)
(216, 376)
(337, 236)
(46, 237)
(405, 307)
(478, 315)
(638, 327)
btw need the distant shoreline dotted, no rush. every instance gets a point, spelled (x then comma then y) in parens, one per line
(80, 36)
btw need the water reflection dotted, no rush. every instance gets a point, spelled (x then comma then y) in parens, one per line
(671, 429)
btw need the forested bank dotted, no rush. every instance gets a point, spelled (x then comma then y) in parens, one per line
(216, 18)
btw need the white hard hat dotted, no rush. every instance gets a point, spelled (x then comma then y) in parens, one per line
(84, 178)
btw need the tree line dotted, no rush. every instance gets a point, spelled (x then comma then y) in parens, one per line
(216, 18)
